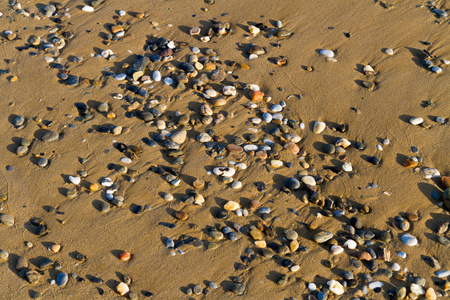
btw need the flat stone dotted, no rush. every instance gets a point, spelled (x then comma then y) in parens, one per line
(50, 136)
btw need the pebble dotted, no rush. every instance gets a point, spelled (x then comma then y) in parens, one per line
(319, 127)
(327, 53)
(50, 136)
(308, 180)
(6, 220)
(87, 8)
(409, 240)
(75, 179)
(224, 171)
(62, 279)
(323, 236)
(293, 184)
(416, 121)
(443, 274)
(335, 287)
(122, 288)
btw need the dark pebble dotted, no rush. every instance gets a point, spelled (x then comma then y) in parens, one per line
(222, 214)
(286, 263)
(373, 160)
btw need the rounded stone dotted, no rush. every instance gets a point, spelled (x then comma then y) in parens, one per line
(50, 136)
(292, 183)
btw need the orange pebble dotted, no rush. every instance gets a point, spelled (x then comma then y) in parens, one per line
(256, 95)
(125, 256)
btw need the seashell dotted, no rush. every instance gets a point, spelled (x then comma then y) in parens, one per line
(368, 70)
(327, 53)
(294, 245)
(416, 121)
(319, 127)
(122, 288)
(229, 90)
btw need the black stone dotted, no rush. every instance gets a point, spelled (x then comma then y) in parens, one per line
(373, 160)
(187, 67)
(222, 214)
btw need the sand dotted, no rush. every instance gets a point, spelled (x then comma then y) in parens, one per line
(327, 94)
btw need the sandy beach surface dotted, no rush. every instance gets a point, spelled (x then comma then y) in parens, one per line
(396, 184)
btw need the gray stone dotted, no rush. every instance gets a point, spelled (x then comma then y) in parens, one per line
(50, 136)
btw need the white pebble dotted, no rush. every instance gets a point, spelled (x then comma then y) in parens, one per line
(126, 160)
(379, 148)
(327, 53)
(168, 81)
(295, 268)
(256, 120)
(416, 121)
(442, 274)
(236, 185)
(395, 267)
(436, 70)
(107, 181)
(276, 108)
(375, 284)
(389, 51)
(120, 76)
(350, 244)
(122, 13)
(267, 117)
(402, 254)
(87, 8)
(75, 180)
(156, 76)
(312, 286)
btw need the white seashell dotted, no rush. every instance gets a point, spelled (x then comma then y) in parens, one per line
(335, 287)
(350, 244)
(395, 267)
(347, 167)
(87, 8)
(224, 171)
(375, 284)
(308, 180)
(336, 249)
(416, 121)
(122, 289)
(442, 274)
(319, 127)
(205, 39)
(431, 173)
(389, 51)
(368, 70)
(409, 240)
(156, 76)
(120, 76)
(126, 160)
(75, 180)
(250, 147)
(229, 90)
(327, 53)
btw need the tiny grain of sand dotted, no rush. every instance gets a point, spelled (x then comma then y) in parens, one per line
(58, 217)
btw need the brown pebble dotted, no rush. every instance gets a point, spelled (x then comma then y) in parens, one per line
(14, 78)
(412, 217)
(181, 215)
(256, 95)
(234, 148)
(261, 154)
(244, 66)
(254, 204)
(445, 181)
(365, 256)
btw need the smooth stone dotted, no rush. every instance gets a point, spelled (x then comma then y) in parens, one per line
(327, 53)
(50, 136)
(323, 236)
(122, 288)
(442, 274)
(409, 240)
(222, 214)
(33, 276)
(62, 279)
(238, 288)
(291, 234)
(19, 121)
(329, 149)
(292, 183)
(74, 179)
(319, 127)
(179, 137)
(73, 81)
(335, 287)
(3, 255)
(224, 171)
(308, 180)
(42, 162)
(156, 76)
(416, 121)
